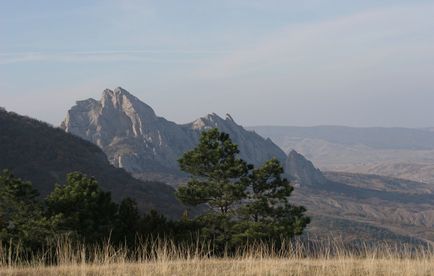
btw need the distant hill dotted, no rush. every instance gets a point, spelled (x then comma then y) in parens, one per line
(395, 152)
(362, 207)
(374, 137)
(380, 183)
(37, 152)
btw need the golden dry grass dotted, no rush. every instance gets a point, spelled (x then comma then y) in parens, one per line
(339, 266)
(166, 259)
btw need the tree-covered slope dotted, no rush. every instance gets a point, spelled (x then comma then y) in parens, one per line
(37, 152)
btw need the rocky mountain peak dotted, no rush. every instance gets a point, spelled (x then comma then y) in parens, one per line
(118, 93)
(213, 120)
(117, 114)
(229, 118)
(213, 117)
(121, 100)
(134, 138)
(129, 132)
(209, 121)
(293, 154)
(303, 171)
(120, 90)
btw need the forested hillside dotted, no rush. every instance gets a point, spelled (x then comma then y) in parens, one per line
(42, 154)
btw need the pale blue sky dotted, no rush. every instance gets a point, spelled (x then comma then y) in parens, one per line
(358, 63)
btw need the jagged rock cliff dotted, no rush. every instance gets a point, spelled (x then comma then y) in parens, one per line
(129, 132)
(303, 171)
(253, 148)
(136, 139)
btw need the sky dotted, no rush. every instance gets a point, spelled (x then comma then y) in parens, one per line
(270, 62)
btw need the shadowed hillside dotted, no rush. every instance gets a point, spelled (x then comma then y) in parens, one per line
(37, 152)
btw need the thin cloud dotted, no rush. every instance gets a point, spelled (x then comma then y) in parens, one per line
(346, 42)
(153, 56)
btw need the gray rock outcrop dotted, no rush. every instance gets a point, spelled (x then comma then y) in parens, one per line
(303, 171)
(148, 146)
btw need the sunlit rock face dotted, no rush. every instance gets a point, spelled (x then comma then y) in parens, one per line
(129, 132)
(136, 139)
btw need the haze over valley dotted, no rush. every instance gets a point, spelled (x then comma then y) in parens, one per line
(406, 153)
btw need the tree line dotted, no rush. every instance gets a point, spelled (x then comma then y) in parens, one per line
(240, 204)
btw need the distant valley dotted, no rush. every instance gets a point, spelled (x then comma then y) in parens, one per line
(395, 152)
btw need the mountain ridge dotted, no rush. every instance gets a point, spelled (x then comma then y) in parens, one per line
(136, 139)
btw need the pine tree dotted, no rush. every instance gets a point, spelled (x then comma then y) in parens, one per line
(218, 178)
(83, 209)
(267, 213)
(127, 224)
(22, 219)
(245, 203)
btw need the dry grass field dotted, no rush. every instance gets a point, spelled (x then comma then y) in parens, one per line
(241, 266)
(166, 259)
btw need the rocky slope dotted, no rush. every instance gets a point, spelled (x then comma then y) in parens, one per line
(39, 153)
(253, 148)
(129, 132)
(136, 139)
(303, 171)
